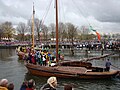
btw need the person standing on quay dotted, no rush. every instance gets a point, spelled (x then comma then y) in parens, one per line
(108, 64)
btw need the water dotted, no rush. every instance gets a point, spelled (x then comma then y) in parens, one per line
(15, 71)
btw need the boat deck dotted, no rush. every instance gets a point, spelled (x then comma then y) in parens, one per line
(74, 70)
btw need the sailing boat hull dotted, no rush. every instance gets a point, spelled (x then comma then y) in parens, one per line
(54, 71)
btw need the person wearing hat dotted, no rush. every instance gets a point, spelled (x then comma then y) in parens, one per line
(3, 84)
(50, 85)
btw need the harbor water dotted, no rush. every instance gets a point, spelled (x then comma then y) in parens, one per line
(15, 71)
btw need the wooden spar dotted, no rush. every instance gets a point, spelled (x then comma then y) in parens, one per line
(57, 31)
(97, 58)
(33, 27)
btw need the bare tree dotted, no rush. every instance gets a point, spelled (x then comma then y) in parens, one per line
(72, 34)
(52, 29)
(85, 30)
(29, 28)
(21, 28)
(72, 31)
(37, 27)
(45, 32)
(62, 31)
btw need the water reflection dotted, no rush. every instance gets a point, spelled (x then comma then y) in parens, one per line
(5, 53)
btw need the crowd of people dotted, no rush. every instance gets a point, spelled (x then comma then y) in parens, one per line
(40, 56)
(51, 84)
(28, 85)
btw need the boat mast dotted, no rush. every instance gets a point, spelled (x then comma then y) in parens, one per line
(56, 3)
(33, 27)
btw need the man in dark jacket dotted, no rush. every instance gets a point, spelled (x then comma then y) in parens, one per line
(107, 64)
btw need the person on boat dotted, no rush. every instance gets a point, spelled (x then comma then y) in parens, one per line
(4, 84)
(49, 55)
(62, 57)
(33, 57)
(107, 65)
(11, 86)
(44, 59)
(47, 59)
(24, 49)
(21, 49)
(40, 59)
(59, 53)
(36, 56)
(50, 85)
(29, 59)
(18, 49)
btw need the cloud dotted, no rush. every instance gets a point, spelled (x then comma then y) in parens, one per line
(103, 15)
(13, 12)
(104, 10)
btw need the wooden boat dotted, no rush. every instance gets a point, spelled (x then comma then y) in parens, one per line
(69, 69)
(87, 72)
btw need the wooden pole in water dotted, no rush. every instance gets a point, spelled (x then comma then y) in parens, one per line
(33, 27)
(57, 31)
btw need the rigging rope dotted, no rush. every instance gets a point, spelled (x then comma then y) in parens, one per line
(81, 12)
(90, 27)
(45, 15)
(59, 11)
(63, 9)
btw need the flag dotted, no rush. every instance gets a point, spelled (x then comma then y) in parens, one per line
(98, 35)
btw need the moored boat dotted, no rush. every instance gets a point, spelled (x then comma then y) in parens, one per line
(71, 72)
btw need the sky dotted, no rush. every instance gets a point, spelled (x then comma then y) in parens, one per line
(102, 15)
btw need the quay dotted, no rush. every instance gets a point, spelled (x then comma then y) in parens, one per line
(65, 45)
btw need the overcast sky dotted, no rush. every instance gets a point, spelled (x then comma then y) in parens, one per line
(103, 15)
